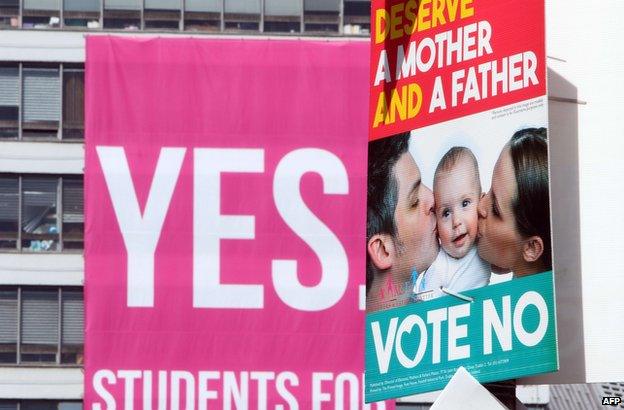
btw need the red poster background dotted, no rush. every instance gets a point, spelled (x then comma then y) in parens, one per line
(517, 26)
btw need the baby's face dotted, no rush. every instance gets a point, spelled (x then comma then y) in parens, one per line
(456, 199)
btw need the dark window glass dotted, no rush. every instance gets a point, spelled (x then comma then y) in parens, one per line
(8, 405)
(73, 213)
(41, 14)
(38, 405)
(282, 26)
(9, 211)
(127, 21)
(202, 21)
(122, 14)
(239, 25)
(162, 21)
(73, 104)
(9, 101)
(8, 326)
(9, 13)
(357, 16)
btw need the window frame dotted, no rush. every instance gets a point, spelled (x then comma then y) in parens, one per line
(10, 13)
(60, 247)
(55, 128)
(20, 404)
(63, 135)
(356, 25)
(16, 123)
(58, 362)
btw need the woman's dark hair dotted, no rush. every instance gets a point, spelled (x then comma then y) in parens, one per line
(382, 190)
(531, 207)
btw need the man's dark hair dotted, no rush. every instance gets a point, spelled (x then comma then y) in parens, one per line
(382, 193)
(531, 207)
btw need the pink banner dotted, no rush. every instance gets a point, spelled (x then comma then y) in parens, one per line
(225, 186)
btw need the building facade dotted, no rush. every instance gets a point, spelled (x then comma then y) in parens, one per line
(42, 159)
(41, 165)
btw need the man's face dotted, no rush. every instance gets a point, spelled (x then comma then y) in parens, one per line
(416, 241)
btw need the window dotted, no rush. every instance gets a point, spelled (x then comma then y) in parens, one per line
(81, 13)
(73, 103)
(122, 14)
(9, 212)
(73, 213)
(162, 14)
(40, 227)
(41, 14)
(40, 213)
(317, 17)
(8, 326)
(242, 15)
(40, 405)
(356, 17)
(321, 15)
(282, 16)
(9, 101)
(42, 101)
(202, 15)
(9, 13)
(8, 405)
(72, 326)
(70, 405)
(41, 325)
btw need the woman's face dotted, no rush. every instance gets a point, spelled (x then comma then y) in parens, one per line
(499, 241)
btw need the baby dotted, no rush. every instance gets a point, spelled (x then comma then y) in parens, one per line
(457, 190)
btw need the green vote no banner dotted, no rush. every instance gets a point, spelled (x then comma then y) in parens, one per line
(507, 331)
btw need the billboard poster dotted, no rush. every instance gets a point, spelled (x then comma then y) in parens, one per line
(458, 241)
(225, 185)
